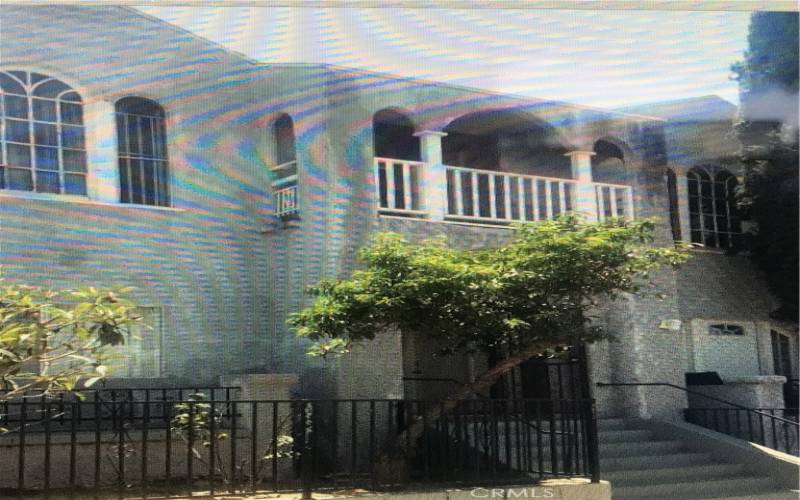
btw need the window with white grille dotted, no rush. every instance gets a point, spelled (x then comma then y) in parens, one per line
(42, 145)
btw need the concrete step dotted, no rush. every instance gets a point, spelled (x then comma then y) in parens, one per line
(610, 424)
(649, 462)
(641, 448)
(770, 494)
(672, 474)
(624, 436)
(699, 488)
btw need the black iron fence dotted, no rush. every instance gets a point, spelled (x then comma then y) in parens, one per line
(228, 444)
(107, 408)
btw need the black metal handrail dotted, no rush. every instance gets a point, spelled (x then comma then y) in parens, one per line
(782, 434)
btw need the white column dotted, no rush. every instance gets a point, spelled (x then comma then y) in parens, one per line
(585, 198)
(434, 178)
(682, 191)
(101, 151)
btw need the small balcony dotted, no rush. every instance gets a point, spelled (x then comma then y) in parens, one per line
(487, 196)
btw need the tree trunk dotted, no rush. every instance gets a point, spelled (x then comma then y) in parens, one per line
(407, 440)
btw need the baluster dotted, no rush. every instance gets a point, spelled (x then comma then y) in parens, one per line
(475, 201)
(492, 196)
(458, 193)
(522, 208)
(562, 197)
(507, 195)
(601, 210)
(390, 192)
(535, 199)
(407, 202)
(548, 190)
(612, 196)
(629, 204)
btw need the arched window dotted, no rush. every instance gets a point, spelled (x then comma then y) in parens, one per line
(143, 166)
(608, 163)
(712, 212)
(42, 146)
(393, 136)
(284, 139)
(674, 213)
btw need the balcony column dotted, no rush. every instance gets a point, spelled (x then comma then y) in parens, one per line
(434, 178)
(585, 197)
(682, 192)
(101, 151)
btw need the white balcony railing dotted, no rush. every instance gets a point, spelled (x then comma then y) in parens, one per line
(285, 201)
(613, 200)
(399, 186)
(473, 195)
(497, 196)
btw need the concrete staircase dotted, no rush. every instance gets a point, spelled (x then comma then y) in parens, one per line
(640, 467)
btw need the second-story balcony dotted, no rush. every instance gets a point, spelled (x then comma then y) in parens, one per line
(495, 167)
(487, 196)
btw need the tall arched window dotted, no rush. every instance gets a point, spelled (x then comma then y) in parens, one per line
(284, 140)
(674, 211)
(143, 166)
(712, 212)
(42, 146)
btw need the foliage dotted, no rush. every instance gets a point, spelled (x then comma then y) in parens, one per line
(51, 340)
(768, 83)
(200, 425)
(536, 289)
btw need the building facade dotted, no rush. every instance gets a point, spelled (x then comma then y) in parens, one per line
(137, 154)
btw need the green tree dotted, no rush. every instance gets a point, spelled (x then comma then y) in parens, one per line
(52, 340)
(519, 299)
(767, 130)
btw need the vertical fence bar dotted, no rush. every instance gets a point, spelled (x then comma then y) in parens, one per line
(120, 444)
(373, 478)
(97, 439)
(190, 446)
(145, 429)
(353, 441)
(254, 444)
(232, 407)
(212, 429)
(47, 418)
(23, 424)
(305, 458)
(275, 431)
(73, 437)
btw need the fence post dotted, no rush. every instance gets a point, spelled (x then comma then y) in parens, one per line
(308, 436)
(590, 422)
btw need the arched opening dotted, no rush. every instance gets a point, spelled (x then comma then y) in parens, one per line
(674, 209)
(283, 129)
(506, 141)
(393, 136)
(713, 217)
(143, 165)
(608, 163)
(285, 194)
(529, 161)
